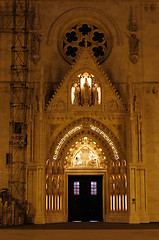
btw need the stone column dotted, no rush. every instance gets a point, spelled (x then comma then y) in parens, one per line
(133, 211)
(40, 207)
(141, 192)
(132, 166)
(40, 170)
(137, 177)
(41, 156)
(137, 174)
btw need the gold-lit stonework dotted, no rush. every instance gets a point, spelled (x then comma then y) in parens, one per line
(79, 104)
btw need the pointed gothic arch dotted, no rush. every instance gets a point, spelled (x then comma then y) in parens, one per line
(108, 134)
(98, 140)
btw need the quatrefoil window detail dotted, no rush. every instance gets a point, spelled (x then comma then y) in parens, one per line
(98, 37)
(71, 51)
(98, 51)
(84, 29)
(98, 40)
(71, 37)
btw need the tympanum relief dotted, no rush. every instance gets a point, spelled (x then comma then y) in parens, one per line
(85, 153)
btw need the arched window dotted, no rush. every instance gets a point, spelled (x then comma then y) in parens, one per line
(86, 91)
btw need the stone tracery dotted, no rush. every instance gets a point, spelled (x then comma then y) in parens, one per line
(87, 149)
(98, 40)
(85, 153)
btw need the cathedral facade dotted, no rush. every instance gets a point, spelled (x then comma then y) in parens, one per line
(84, 143)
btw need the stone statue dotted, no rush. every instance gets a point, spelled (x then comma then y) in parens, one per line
(77, 94)
(133, 43)
(35, 47)
(95, 95)
(118, 183)
(135, 104)
(86, 94)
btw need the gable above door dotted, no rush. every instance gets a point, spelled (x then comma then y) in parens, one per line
(86, 88)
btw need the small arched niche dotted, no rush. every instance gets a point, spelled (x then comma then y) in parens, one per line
(85, 90)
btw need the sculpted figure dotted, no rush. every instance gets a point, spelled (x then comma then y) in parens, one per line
(86, 94)
(95, 94)
(35, 47)
(133, 42)
(77, 94)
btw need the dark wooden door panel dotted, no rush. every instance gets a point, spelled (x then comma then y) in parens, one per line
(84, 198)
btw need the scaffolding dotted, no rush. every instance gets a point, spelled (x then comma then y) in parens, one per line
(18, 104)
(16, 22)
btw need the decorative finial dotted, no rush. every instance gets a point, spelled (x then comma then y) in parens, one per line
(133, 25)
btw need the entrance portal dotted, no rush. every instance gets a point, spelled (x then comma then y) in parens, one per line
(85, 198)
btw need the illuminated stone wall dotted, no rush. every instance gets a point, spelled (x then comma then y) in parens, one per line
(123, 39)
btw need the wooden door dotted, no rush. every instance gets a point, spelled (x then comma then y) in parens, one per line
(85, 198)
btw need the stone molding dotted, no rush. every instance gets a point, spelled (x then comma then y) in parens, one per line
(80, 12)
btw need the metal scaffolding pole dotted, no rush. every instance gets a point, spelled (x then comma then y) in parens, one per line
(17, 19)
(18, 107)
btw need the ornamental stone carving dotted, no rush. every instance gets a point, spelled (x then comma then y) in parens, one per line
(118, 177)
(35, 38)
(86, 91)
(78, 36)
(112, 105)
(59, 106)
(151, 6)
(133, 39)
(152, 90)
(133, 46)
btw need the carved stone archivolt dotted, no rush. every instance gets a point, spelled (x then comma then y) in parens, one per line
(84, 148)
(86, 122)
(53, 127)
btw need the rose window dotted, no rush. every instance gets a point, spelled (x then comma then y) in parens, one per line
(99, 41)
